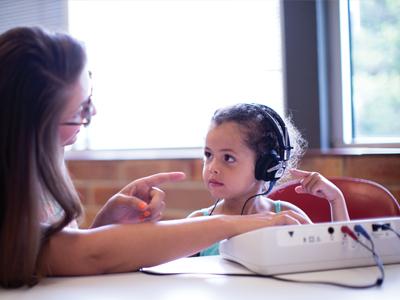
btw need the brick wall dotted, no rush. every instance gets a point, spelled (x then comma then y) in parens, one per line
(98, 180)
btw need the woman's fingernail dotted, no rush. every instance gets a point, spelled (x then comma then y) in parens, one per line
(146, 214)
(142, 205)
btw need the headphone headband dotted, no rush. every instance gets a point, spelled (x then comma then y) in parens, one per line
(271, 165)
(280, 130)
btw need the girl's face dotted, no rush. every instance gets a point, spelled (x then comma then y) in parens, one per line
(79, 100)
(228, 170)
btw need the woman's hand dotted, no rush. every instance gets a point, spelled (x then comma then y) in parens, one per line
(245, 223)
(139, 201)
(285, 217)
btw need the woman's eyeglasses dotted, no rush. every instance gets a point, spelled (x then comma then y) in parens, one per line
(85, 116)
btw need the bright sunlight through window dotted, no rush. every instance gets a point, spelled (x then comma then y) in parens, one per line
(161, 68)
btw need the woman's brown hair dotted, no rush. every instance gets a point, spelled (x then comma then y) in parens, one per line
(37, 70)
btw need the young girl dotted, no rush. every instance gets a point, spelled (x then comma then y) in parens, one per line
(45, 98)
(247, 149)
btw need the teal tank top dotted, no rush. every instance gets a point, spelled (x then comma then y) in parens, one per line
(214, 249)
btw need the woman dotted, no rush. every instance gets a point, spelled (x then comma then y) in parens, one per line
(45, 95)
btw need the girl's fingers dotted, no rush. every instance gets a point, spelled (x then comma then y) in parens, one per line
(300, 190)
(310, 184)
(299, 174)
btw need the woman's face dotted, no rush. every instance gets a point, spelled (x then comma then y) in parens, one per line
(78, 100)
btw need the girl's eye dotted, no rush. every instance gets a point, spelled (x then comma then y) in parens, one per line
(229, 158)
(207, 155)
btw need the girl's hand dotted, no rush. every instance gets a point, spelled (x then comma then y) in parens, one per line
(315, 184)
(137, 202)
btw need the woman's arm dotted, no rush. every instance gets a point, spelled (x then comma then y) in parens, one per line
(122, 248)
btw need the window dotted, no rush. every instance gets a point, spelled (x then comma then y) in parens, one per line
(370, 53)
(161, 68)
(49, 14)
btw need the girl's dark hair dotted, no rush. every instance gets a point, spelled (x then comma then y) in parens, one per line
(259, 134)
(37, 70)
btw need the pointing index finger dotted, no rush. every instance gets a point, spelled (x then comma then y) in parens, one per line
(299, 174)
(160, 178)
(142, 186)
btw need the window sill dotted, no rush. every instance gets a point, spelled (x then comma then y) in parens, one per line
(136, 154)
(353, 151)
(197, 153)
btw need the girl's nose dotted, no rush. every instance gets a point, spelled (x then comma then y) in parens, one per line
(213, 168)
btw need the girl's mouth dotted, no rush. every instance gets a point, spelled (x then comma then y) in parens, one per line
(215, 183)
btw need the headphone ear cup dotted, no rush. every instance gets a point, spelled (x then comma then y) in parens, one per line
(266, 162)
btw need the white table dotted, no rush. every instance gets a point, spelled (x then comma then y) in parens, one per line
(208, 287)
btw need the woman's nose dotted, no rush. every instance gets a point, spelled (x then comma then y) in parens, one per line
(94, 111)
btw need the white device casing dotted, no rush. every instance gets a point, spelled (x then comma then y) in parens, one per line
(311, 247)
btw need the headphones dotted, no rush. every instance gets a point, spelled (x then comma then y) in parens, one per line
(271, 165)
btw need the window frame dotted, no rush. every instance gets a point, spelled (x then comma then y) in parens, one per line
(321, 110)
(341, 69)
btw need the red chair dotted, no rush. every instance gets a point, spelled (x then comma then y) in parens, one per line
(364, 199)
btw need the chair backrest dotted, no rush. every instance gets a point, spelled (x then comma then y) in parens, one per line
(364, 199)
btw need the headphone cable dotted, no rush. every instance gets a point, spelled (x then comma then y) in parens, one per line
(271, 185)
(215, 205)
